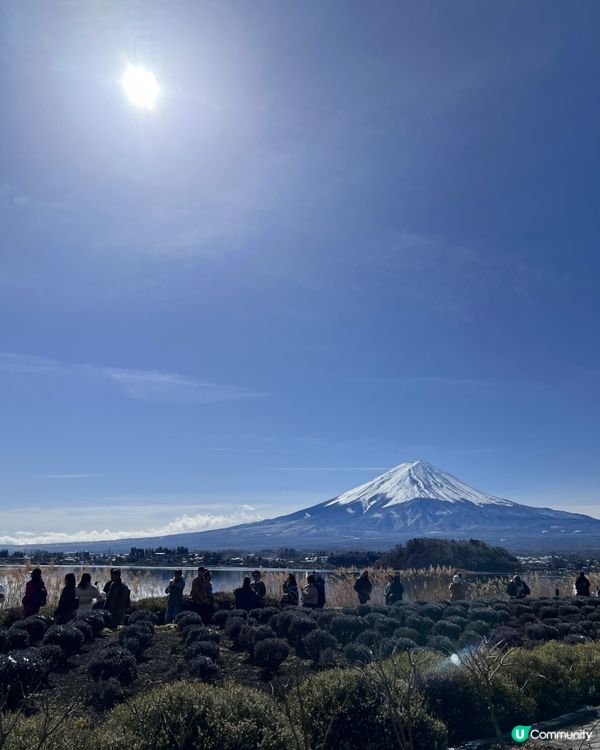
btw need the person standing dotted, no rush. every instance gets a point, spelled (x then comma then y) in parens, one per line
(35, 594)
(174, 593)
(582, 585)
(363, 587)
(198, 593)
(290, 592)
(517, 588)
(457, 592)
(118, 598)
(310, 593)
(394, 590)
(320, 584)
(245, 597)
(86, 592)
(207, 611)
(258, 587)
(68, 602)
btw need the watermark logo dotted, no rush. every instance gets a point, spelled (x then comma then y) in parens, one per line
(520, 733)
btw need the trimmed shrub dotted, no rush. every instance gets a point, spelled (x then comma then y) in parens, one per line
(35, 625)
(85, 629)
(250, 635)
(105, 694)
(220, 617)
(202, 648)
(264, 614)
(506, 635)
(369, 638)
(17, 638)
(21, 672)
(479, 626)
(299, 627)
(68, 637)
(52, 654)
(281, 623)
(355, 653)
(95, 619)
(113, 662)
(204, 668)
(131, 644)
(233, 628)
(541, 632)
(404, 644)
(200, 633)
(434, 611)
(346, 627)
(410, 633)
(269, 655)
(421, 624)
(315, 642)
(183, 619)
(486, 615)
(143, 615)
(447, 629)
(440, 643)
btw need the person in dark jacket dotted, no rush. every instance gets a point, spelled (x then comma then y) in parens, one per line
(394, 590)
(245, 597)
(118, 598)
(582, 585)
(258, 587)
(363, 587)
(290, 592)
(517, 588)
(68, 602)
(174, 593)
(320, 584)
(35, 594)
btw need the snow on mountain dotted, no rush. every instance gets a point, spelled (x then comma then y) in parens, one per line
(411, 481)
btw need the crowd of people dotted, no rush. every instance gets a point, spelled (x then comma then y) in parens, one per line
(78, 599)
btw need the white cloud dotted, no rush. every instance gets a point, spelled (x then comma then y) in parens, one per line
(181, 524)
(142, 385)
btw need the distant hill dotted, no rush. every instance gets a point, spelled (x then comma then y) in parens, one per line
(468, 555)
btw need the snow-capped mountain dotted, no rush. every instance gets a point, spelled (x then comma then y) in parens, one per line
(413, 500)
(412, 481)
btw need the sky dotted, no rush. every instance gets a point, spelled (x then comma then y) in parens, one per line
(347, 235)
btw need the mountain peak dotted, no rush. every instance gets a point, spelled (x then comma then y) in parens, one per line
(414, 480)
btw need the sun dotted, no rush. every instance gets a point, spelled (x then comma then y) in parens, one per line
(140, 87)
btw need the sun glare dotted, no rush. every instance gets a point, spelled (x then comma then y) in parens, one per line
(140, 87)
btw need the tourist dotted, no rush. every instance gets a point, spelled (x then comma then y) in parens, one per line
(68, 602)
(174, 593)
(87, 593)
(465, 585)
(457, 591)
(582, 585)
(320, 584)
(517, 588)
(35, 594)
(290, 592)
(199, 592)
(245, 596)
(363, 587)
(258, 587)
(118, 598)
(207, 611)
(310, 593)
(394, 590)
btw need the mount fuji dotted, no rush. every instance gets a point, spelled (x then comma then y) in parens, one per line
(413, 499)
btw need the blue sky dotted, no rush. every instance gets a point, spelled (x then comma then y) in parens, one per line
(347, 236)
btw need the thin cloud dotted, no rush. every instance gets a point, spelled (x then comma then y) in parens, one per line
(66, 476)
(142, 385)
(182, 524)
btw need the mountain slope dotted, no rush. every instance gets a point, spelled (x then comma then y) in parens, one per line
(414, 499)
